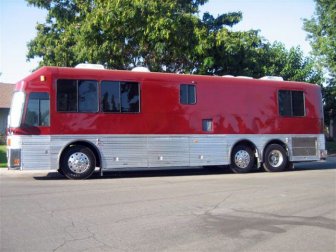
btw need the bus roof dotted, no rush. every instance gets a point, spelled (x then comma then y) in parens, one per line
(101, 74)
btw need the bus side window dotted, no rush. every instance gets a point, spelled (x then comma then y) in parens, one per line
(87, 96)
(298, 103)
(119, 97)
(110, 96)
(129, 94)
(291, 103)
(67, 95)
(187, 94)
(38, 110)
(77, 95)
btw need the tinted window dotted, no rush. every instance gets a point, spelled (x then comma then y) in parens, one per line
(291, 103)
(38, 112)
(191, 94)
(285, 103)
(207, 125)
(129, 95)
(67, 95)
(87, 96)
(77, 96)
(110, 96)
(187, 94)
(298, 103)
(120, 96)
(184, 94)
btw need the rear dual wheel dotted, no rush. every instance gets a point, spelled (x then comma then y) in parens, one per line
(275, 158)
(242, 159)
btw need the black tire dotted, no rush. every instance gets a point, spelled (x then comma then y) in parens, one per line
(78, 162)
(290, 166)
(275, 158)
(242, 159)
(60, 171)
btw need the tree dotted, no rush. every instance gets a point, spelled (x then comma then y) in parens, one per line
(290, 64)
(321, 30)
(162, 35)
(246, 53)
(118, 34)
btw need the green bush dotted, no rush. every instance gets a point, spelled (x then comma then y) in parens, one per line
(2, 139)
(3, 158)
(331, 147)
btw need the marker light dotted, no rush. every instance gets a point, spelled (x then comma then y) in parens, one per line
(16, 162)
(42, 78)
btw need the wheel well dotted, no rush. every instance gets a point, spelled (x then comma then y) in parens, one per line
(247, 143)
(91, 146)
(275, 142)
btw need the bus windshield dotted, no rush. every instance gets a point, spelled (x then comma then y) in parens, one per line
(16, 109)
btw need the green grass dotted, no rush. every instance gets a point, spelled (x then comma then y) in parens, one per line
(3, 159)
(331, 147)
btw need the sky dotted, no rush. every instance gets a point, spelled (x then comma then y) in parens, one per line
(277, 20)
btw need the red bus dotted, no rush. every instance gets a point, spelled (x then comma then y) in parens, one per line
(75, 120)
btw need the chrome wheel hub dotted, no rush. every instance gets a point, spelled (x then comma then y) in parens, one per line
(242, 159)
(78, 162)
(275, 158)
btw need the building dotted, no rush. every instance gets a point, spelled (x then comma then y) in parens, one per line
(6, 92)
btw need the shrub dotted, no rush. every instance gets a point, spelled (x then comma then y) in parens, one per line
(2, 139)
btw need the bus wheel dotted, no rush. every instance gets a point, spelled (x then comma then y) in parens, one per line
(78, 162)
(275, 158)
(242, 159)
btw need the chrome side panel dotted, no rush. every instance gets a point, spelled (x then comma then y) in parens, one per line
(127, 152)
(209, 150)
(168, 151)
(122, 151)
(35, 152)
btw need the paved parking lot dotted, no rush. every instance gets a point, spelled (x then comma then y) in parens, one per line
(189, 210)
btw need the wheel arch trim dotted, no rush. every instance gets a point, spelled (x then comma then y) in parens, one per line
(244, 141)
(86, 143)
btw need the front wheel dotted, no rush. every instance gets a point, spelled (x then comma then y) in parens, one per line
(242, 159)
(78, 162)
(275, 158)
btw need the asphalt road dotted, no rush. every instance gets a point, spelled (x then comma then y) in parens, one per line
(195, 210)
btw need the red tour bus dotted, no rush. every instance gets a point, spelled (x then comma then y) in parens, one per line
(75, 120)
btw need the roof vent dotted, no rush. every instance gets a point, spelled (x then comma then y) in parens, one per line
(89, 66)
(140, 69)
(275, 78)
(245, 77)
